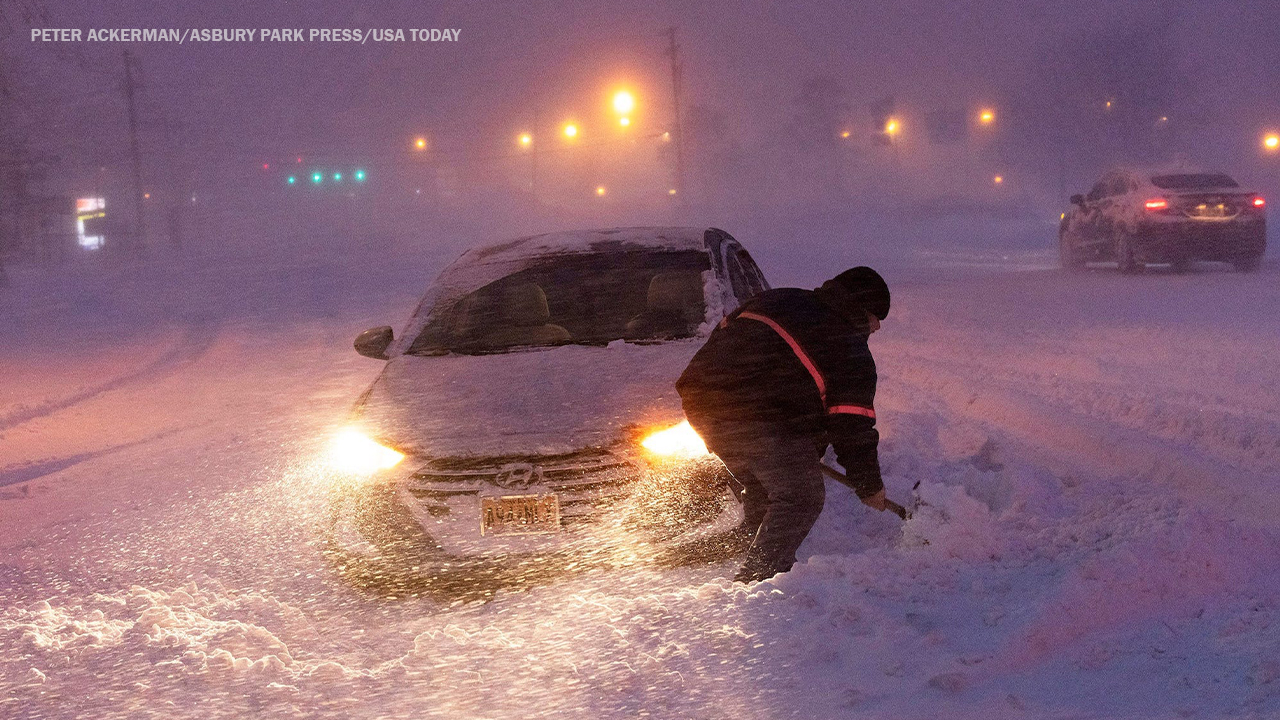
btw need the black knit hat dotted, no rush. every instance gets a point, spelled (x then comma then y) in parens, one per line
(868, 289)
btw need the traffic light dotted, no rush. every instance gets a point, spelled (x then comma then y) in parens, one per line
(359, 176)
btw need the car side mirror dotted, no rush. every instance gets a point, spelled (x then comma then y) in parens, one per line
(1077, 199)
(374, 342)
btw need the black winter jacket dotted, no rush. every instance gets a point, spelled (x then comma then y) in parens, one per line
(798, 358)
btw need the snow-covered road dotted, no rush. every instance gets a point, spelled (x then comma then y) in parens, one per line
(1099, 456)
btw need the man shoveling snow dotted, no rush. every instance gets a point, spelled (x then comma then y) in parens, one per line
(785, 375)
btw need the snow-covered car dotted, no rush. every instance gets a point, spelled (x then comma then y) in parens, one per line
(527, 414)
(1136, 217)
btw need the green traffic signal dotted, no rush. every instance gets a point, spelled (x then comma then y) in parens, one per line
(359, 175)
(292, 179)
(317, 177)
(337, 177)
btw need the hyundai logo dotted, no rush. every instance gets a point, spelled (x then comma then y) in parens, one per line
(518, 475)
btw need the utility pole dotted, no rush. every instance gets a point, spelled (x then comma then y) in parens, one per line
(535, 135)
(140, 232)
(677, 136)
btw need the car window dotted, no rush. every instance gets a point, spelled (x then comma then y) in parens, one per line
(1193, 181)
(590, 299)
(1099, 190)
(744, 274)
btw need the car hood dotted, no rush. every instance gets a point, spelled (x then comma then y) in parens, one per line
(536, 402)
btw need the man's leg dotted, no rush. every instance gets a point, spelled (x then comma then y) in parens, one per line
(732, 443)
(786, 467)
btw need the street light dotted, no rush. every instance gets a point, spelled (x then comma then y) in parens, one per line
(998, 180)
(987, 116)
(525, 139)
(420, 144)
(624, 121)
(1271, 142)
(570, 130)
(892, 127)
(600, 190)
(623, 102)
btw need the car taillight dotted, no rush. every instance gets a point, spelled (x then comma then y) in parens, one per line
(1156, 204)
(1259, 202)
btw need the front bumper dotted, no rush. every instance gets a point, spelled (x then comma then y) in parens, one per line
(613, 504)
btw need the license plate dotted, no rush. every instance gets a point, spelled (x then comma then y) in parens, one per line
(1212, 210)
(519, 515)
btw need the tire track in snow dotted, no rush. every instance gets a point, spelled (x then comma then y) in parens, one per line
(15, 474)
(194, 343)
(1102, 449)
(1243, 437)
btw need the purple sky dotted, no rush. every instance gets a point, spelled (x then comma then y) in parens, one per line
(745, 60)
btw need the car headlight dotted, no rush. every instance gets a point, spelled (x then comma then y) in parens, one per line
(354, 452)
(676, 441)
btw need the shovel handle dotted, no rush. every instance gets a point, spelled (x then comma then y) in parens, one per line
(840, 477)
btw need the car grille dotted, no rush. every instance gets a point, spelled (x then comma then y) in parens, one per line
(586, 481)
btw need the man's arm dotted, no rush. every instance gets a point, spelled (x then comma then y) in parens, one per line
(856, 442)
(851, 416)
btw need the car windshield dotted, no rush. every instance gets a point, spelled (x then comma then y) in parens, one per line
(590, 299)
(1193, 181)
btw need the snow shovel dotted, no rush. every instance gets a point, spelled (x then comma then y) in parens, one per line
(839, 477)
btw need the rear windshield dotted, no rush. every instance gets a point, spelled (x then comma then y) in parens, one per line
(1193, 181)
(590, 299)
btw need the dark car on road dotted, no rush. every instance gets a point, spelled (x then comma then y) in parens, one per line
(1134, 217)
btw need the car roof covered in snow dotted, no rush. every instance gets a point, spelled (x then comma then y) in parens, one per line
(585, 241)
(485, 264)
(1148, 172)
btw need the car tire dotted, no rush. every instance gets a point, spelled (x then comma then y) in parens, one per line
(1068, 258)
(1249, 263)
(372, 543)
(1126, 258)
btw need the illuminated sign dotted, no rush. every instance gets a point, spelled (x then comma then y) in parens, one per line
(89, 208)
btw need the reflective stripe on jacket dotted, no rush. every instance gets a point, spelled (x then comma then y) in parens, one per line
(791, 357)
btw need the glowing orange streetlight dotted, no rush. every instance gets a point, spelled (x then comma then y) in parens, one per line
(624, 122)
(623, 102)
(570, 130)
(987, 116)
(845, 134)
(420, 144)
(1271, 141)
(525, 139)
(600, 190)
(998, 180)
(892, 127)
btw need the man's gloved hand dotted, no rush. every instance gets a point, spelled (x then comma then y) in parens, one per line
(876, 501)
